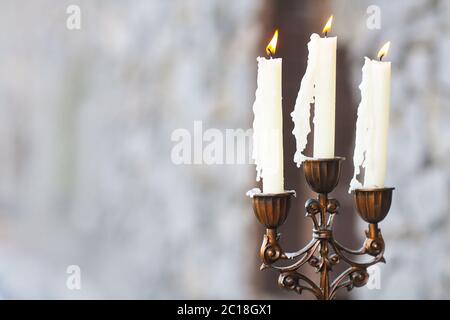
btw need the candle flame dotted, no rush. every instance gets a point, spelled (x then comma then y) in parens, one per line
(327, 27)
(384, 50)
(272, 46)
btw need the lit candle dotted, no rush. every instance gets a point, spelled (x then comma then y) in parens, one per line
(268, 122)
(373, 122)
(318, 86)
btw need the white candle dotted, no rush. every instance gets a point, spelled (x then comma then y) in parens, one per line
(325, 98)
(318, 86)
(268, 123)
(373, 122)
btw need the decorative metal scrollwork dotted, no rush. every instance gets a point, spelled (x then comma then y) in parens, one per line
(323, 252)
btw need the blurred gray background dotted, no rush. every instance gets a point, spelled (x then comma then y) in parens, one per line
(86, 118)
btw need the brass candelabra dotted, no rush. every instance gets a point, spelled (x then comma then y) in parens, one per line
(323, 252)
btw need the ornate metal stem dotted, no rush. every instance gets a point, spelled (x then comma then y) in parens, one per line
(323, 252)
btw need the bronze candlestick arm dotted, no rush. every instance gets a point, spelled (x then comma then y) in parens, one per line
(323, 252)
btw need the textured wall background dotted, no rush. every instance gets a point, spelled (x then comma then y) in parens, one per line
(85, 171)
(418, 227)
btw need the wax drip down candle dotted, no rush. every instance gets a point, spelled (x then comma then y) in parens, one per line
(318, 87)
(373, 122)
(268, 122)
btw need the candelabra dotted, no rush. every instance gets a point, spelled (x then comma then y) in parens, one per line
(323, 252)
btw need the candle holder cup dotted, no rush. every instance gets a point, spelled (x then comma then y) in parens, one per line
(322, 175)
(373, 204)
(323, 252)
(271, 210)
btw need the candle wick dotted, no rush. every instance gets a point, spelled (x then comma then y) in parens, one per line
(326, 33)
(381, 57)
